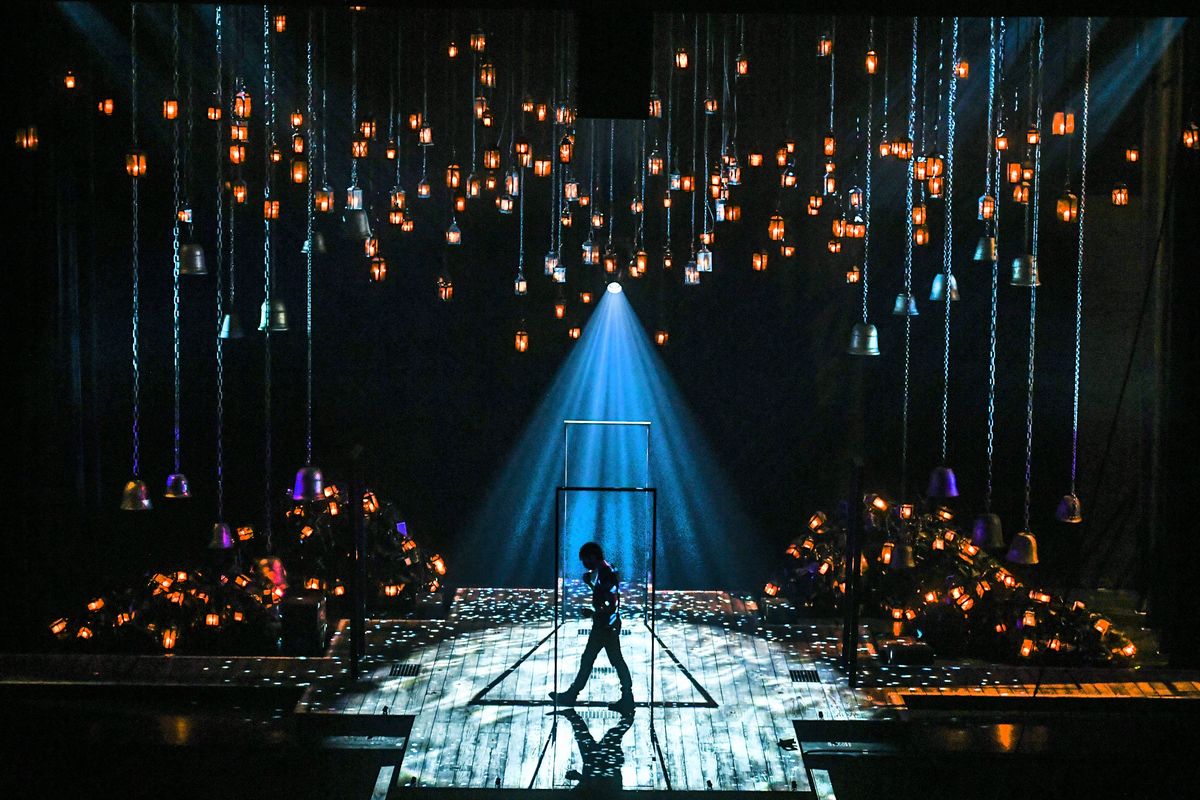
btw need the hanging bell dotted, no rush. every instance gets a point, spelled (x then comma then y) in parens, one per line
(355, 224)
(136, 496)
(273, 315)
(864, 340)
(938, 292)
(309, 485)
(222, 537)
(177, 487)
(985, 250)
(942, 483)
(231, 326)
(903, 557)
(318, 243)
(191, 259)
(1069, 509)
(1024, 271)
(988, 533)
(905, 306)
(1023, 549)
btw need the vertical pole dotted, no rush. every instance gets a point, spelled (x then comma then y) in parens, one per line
(359, 581)
(653, 578)
(854, 533)
(558, 494)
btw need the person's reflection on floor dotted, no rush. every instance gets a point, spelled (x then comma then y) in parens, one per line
(602, 760)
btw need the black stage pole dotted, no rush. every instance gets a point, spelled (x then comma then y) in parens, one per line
(854, 533)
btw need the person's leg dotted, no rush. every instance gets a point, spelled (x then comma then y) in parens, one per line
(595, 644)
(612, 647)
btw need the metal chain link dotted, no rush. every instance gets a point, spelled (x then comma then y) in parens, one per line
(269, 103)
(997, 63)
(1087, 87)
(695, 111)
(220, 162)
(908, 264)
(1037, 167)
(612, 151)
(866, 269)
(310, 207)
(135, 246)
(175, 231)
(948, 240)
(354, 91)
(670, 108)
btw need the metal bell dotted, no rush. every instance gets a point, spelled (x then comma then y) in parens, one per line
(1069, 509)
(309, 485)
(938, 292)
(903, 557)
(273, 315)
(864, 340)
(985, 249)
(231, 327)
(988, 532)
(906, 305)
(177, 487)
(942, 483)
(222, 537)
(1023, 549)
(355, 224)
(318, 240)
(136, 496)
(191, 259)
(1024, 272)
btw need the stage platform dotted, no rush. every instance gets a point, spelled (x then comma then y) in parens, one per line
(740, 705)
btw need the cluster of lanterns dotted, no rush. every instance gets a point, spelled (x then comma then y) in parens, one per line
(231, 603)
(956, 589)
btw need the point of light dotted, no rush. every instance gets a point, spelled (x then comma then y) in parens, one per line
(614, 288)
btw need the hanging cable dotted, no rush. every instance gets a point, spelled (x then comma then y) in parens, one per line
(135, 247)
(176, 208)
(866, 269)
(1037, 169)
(354, 92)
(1087, 86)
(908, 264)
(948, 240)
(266, 323)
(220, 162)
(310, 207)
(996, 67)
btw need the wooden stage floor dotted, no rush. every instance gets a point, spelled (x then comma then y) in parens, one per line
(727, 692)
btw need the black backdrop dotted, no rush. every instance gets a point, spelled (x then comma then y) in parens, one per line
(436, 393)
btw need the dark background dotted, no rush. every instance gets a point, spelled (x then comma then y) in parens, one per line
(436, 393)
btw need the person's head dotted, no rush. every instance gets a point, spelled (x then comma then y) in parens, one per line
(592, 555)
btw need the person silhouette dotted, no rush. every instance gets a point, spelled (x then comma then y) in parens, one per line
(602, 760)
(606, 629)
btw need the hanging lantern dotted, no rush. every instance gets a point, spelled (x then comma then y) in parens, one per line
(541, 111)
(902, 148)
(478, 41)
(936, 185)
(856, 229)
(755, 158)
(69, 80)
(855, 196)
(487, 74)
(681, 58)
(560, 309)
(27, 138)
(1066, 208)
(829, 183)
(1120, 195)
(358, 148)
(838, 227)
(1191, 136)
(687, 182)
(504, 203)
(781, 156)
(775, 227)
(920, 168)
(834, 246)
(297, 118)
(489, 181)
(445, 288)
(854, 274)
(521, 340)
(415, 120)
(479, 106)
(241, 104)
(453, 175)
(1024, 271)
(541, 167)
(829, 144)
(520, 285)
(170, 108)
(574, 332)
(872, 62)
(239, 191)
(787, 249)
(425, 136)
(424, 190)
(299, 170)
(135, 160)
(885, 147)
(905, 306)
(512, 182)
(1063, 123)
(864, 340)
(270, 209)
(1132, 153)
(550, 261)
(397, 198)
(655, 106)
(527, 105)
(391, 151)
(704, 259)
(610, 262)
(566, 148)
(987, 206)
(491, 157)
(710, 105)
(460, 203)
(962, 69)
(1013, 172)
(487, 119)
(758, 261)
(452, 50)
(474, 186)
(1033, 137)
(297, 143)
(370, 246)
(453, 234)
(787, 178)
(378, 269)
(920, 235)
(1023, 551)
(239, 132)
(323, 199)
(824, 46)
(741, 65)
(280, 21)
(1021, 193)
(918, 214)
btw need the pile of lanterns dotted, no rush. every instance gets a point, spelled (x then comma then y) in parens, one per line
(949, 587)
(231, 603)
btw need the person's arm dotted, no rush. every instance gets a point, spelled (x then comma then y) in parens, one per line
(606, 595)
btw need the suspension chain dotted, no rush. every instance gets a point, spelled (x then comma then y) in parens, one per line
(948, 241)
(269, 102)
(220, 162)
(908, 263)
(1037, 168)
(1087, 87)
(135, 246)
(866, 269)
(175, 229)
